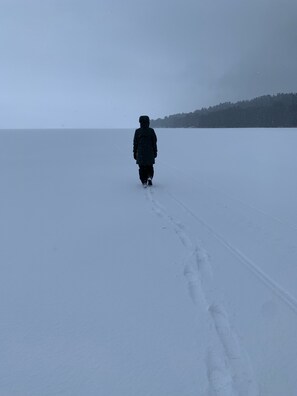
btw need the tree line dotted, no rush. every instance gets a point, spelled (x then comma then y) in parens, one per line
(269, 111)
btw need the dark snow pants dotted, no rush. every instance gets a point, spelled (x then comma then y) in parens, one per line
(145, 172)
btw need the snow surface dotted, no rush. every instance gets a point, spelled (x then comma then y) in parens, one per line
(186, 288)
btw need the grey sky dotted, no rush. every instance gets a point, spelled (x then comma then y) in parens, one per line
(102, 63)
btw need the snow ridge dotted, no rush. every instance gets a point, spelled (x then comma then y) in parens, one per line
(227, 366)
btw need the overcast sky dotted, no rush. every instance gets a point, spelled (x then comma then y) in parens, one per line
(102, 63)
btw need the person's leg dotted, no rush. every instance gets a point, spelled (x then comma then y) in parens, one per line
(150, 174)
(151, 171)
(143, 174)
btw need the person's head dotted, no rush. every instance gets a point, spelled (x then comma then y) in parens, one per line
(144, 121)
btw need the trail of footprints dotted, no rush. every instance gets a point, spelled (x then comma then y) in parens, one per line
(227, 366)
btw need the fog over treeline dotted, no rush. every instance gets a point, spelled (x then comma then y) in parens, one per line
(265, 111)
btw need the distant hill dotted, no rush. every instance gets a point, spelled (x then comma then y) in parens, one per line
(268, 111)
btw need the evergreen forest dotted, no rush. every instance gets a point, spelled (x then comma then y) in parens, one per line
(269, 111)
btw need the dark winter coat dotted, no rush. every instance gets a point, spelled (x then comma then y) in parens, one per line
(145, 146)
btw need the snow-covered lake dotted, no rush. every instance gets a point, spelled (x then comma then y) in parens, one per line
(186, 288)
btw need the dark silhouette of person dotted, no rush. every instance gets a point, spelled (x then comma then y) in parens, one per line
(145, 150)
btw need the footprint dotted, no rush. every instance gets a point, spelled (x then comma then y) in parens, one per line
(219, 376)
(225, 332)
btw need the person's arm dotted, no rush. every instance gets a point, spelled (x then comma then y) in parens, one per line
(155, 148)
(135, 145)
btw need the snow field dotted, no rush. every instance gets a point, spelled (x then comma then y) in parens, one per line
(186, 288)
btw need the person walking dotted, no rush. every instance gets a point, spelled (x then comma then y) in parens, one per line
(145, 150)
